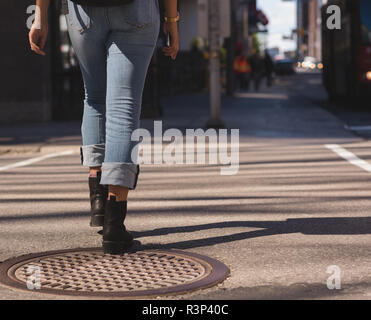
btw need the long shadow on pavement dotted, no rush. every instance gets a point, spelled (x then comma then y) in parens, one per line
(308, 226)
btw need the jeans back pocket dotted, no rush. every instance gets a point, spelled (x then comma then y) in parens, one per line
(78, 16)
(138, 13)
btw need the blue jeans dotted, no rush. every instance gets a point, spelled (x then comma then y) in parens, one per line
(114, 46)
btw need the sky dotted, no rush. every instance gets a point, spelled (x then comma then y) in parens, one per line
(282, 19)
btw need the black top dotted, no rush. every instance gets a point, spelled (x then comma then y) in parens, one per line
(102, 3)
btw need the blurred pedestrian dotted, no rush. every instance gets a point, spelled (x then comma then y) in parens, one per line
(257, 69)
(268, 67)
(242, 70)
(114, 41)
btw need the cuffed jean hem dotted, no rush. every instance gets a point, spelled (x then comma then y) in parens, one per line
(92, 155)
(120, 174)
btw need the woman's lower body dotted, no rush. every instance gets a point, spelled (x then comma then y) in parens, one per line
(114, 46)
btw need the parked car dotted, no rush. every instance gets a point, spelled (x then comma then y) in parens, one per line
(284, 66)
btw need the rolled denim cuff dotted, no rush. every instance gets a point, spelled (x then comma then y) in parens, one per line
(120, 174)
(92, 155)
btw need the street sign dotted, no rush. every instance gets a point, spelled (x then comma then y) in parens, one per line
(262, 17)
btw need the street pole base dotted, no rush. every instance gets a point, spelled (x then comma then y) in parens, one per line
(215, 124)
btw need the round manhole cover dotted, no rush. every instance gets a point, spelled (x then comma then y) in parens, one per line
(89, 272)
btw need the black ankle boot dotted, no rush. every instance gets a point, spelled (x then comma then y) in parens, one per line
(115, 236)
(98, 198)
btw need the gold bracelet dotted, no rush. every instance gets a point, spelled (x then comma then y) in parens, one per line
(169, 19)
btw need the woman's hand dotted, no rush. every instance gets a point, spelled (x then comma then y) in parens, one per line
(37, 37)
(171, 28)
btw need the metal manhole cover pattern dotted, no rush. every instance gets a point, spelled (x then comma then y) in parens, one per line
(96, 272)
(90, 272)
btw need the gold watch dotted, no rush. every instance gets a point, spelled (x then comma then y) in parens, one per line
(172, 19)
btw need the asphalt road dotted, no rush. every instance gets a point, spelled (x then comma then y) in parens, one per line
(295, 207)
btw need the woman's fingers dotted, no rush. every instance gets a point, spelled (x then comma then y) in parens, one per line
(36, 37)
(37, 49)
(170, 52)
(172, 29)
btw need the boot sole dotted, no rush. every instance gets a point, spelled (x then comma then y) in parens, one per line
(97, 221)
(114, 247)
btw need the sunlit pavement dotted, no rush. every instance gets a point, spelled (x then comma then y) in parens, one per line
(295, 207)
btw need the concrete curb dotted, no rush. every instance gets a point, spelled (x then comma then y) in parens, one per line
(19, 149)
(38, 149)
(56, 148)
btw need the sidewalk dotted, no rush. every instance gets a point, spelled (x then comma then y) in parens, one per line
(39, 137)
(258, 115)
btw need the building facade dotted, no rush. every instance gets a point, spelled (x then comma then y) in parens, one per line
(25, 77)
(309, 28)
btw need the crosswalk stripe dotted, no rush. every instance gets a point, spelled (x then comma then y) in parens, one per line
(36, 159)
(349, 156)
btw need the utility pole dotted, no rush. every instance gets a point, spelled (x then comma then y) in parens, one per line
(299, 30)
(231, 45)
(214, 39)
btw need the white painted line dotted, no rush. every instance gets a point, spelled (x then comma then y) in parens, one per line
(358, 128)
(350, 157)
(37, 159)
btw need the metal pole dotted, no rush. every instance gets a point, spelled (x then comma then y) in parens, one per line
(299, 26)
(215, 90)
(231, 43)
